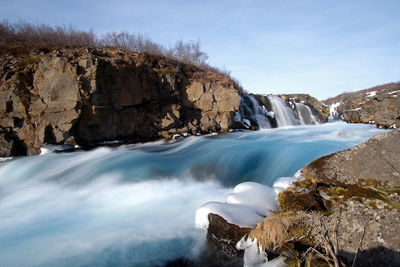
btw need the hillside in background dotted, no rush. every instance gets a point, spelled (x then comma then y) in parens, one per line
(385, 88)
(379, 105)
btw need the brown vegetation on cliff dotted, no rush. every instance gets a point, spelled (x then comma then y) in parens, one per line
(23, 37)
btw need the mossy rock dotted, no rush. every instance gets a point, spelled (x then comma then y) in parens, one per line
(296, 201)
(309, 184)
(316, 262)
(365, 192)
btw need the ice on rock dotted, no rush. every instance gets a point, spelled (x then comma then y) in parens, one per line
(255, 256)
(238, 214)
(282, 183)
(254, 195)
(247, 205)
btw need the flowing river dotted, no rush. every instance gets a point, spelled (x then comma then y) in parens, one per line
(134, 205)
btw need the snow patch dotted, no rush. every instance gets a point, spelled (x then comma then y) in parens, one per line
(393, 92)
(371, 94)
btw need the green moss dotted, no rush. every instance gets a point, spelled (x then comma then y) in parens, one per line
(336, 191)
(372, 204)
(306, 184)
(369, 193)
(293, 200)
(315, 262)
(293, 261)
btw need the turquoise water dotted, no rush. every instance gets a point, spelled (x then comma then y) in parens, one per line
(134, 205)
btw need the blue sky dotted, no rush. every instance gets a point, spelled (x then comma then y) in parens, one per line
(301, 46)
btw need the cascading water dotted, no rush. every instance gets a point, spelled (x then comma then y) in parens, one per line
(333, 114)
(251, 113)
(305, 114)
(283, 114)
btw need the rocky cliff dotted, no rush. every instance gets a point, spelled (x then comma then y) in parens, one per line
(84, 96)
(379, 105)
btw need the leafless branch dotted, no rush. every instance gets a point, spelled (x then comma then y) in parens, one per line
(359, 248)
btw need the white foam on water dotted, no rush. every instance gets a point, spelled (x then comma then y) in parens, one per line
(54, 222)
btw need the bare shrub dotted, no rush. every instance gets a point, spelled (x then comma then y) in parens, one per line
(132, 42)
(28, 35)
(189, 53)
(24, 36)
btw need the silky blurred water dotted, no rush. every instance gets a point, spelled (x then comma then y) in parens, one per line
(134, 205)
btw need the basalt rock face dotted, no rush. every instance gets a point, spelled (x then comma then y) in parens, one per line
(379, 105)
(84, 96)
(318, 108)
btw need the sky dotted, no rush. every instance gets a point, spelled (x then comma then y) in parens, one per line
(319, 47)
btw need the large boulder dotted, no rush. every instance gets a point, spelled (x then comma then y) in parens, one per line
(375, 162)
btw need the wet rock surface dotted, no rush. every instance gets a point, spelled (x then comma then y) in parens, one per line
(84, 96)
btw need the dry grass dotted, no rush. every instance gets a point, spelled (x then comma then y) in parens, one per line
(277, 230)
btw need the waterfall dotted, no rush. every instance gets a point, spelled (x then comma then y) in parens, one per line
(251, 113)
(333, 113)
(283, 114)
(305, 114)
